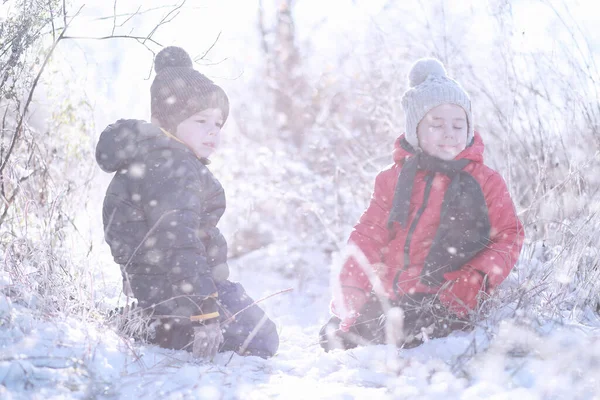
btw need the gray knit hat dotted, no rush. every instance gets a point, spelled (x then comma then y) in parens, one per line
(429, 88)
(179, 91)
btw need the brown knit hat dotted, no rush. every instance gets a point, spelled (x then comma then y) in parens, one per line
(179, 91)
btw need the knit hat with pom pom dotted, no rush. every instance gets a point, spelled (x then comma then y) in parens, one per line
(429, 88)
(179, 91)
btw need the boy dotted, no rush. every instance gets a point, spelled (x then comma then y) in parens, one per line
(161, 212)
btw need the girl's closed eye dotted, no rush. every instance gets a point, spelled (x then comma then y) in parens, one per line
(219, 124)
(201, 121)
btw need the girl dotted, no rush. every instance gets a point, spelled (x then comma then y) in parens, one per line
(440, 229)
(161, 212)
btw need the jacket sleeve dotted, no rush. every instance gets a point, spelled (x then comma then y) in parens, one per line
(494, 263)
(180, 204)
(369, 238)
(506, 234)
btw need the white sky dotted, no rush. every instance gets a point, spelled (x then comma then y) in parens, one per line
(117, 69)
(114, 71)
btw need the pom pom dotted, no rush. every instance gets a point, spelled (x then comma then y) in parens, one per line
(172, 57)
(423, 68)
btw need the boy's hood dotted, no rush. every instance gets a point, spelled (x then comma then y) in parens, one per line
(125, 141)
(474, 152)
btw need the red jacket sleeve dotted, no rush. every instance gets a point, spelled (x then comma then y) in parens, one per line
(497, 260)
(506, 234)
(369, 237)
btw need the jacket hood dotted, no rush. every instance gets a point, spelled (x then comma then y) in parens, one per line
(474, 152)
(126, 141)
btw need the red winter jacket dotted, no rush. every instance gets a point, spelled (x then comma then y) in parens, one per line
(383, 248)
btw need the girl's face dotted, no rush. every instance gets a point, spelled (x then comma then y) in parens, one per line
(202, 131)
(442, 133)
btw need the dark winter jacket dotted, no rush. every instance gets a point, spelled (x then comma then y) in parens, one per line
(454, 222)
(160, 215)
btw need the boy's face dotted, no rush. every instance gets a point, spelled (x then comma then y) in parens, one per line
(442, 132)
(202, 131)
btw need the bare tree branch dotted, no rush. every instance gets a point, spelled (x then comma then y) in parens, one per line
(65, 14)
(167, 18)
(198, 58)
(8, 204)
(137, 12)
(140, 39)
(114, 18)
(31, 92)
(216, 62)
(232, 317)
(131, 15)
(2, 187)
(52, 20)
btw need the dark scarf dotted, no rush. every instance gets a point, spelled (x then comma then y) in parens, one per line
(420, 162)
(464, 221)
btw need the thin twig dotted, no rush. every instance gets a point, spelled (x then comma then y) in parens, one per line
(165, 19)
(209, 49)
(52, 20)
(217, 63)
(252, 334)
(114, 18)
(2, 186)
(140, 39)
(130, 15)
(8, 204)
(65, 15)
(228, 320)
(137, 12)
(230, 358)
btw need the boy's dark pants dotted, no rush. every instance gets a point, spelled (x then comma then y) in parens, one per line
(252, 321)
(420, 311)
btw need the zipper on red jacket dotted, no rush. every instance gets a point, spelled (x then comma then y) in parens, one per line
(428, 184)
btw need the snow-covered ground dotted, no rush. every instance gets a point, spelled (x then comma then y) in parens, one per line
(64, 357)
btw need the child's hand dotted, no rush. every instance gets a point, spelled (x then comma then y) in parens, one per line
(349, 321)
(207, 339)
(460, 296)
(353, 299)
